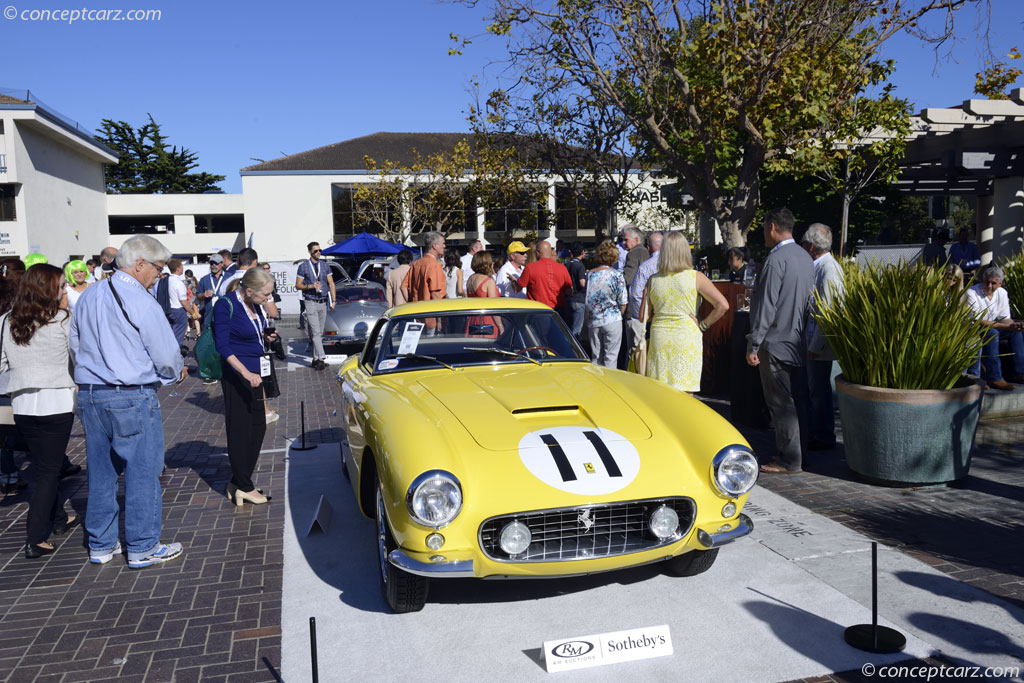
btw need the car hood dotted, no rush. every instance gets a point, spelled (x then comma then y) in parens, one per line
(498, 405)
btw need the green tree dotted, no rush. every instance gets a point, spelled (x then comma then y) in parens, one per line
(714, 90)
(147, 165)
(436, 191)
(994, 80)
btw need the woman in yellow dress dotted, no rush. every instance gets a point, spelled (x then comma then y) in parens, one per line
(671, 301)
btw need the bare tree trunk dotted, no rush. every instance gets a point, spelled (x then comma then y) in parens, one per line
(847, 200)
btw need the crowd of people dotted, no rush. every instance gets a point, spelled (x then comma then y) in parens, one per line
(100, 344)
(99, 337)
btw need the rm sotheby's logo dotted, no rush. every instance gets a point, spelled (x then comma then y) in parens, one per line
(573, 648)
(582, 651)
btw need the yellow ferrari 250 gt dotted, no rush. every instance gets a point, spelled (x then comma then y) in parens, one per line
(484, 444)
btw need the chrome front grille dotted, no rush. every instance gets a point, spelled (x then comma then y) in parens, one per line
(586, 532)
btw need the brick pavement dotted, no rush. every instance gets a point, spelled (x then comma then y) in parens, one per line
(214, 615)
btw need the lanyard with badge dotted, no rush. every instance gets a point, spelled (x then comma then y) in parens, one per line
(266, 367)
(318, 285)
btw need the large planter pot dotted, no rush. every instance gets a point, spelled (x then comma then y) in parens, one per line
(903, 437)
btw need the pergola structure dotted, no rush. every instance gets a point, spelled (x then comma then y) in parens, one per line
(976, 149)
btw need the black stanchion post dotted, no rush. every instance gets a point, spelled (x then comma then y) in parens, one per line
(872, 637)
(312, 648)
(302, 422)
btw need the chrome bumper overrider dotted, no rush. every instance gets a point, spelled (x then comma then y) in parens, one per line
(743, 527)
(443, 570)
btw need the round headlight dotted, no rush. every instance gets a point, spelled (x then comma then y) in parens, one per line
(434, 498)
(664, 522)
(515, 538)
(734, 470)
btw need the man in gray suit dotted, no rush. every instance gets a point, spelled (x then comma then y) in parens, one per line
(828, 283)
(778, 316)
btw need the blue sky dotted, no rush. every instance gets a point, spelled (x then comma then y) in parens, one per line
(234, 81)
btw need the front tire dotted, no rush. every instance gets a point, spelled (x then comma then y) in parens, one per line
(691, 563)
(402, 591)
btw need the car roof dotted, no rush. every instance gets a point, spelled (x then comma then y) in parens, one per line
(467, 304)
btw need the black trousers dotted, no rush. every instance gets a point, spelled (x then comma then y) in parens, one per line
(47, 438)
(245, 418)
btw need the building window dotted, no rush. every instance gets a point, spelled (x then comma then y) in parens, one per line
(8, 193)
(525, 214)
(352, 216)
(459, 216)
(232, 222)
(586, 211)
(141, 225)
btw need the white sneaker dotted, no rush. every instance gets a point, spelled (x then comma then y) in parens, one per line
(272, 417)
(161, 553)
(103, 558)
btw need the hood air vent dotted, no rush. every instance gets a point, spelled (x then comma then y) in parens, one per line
(545, 410)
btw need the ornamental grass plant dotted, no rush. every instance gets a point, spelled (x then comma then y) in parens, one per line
(1013, 267)
(901, 327)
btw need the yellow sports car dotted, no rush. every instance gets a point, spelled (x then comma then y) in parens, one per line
(484, 444)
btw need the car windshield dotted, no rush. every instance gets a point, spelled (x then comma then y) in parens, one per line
(463, 338)
(346, 294)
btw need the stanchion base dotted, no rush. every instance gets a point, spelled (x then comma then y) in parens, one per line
(297, 446)
(862, 637)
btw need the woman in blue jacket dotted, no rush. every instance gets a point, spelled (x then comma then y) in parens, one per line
(239, 326)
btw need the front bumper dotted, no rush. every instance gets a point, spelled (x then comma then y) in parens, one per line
(419, 563)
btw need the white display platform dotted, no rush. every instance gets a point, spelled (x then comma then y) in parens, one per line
(772, 608)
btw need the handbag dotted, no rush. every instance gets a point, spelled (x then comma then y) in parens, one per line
(638, 358)
(271, 387)
(206, 349)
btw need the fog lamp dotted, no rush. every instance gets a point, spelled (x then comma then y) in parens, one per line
(729, 510)
(515, 538)
(664, 522)
(435, 541)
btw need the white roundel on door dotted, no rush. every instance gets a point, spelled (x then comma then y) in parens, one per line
(582, 460)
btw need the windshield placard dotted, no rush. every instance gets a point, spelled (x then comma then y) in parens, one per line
(410, 338)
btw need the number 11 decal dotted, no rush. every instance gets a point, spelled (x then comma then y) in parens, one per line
(580, 460)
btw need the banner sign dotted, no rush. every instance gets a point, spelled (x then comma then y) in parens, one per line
(582, 652)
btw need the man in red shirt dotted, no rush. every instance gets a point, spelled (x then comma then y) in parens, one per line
(546, 280)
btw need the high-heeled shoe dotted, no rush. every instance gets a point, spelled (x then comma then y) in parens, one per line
(32, 551)
(67, 526)
(256, 497)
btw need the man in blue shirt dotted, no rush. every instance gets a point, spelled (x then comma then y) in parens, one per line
(313, 279)
(124, 349)
(206, 292)
(964, 253)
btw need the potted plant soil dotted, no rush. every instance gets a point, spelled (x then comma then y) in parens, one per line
(904, 338)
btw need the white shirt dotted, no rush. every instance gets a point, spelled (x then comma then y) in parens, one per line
(176, 290)
(505, 287)
(996, 308)
(467, 270)
(223, 289)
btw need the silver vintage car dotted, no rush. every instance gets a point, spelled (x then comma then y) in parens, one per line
(360, 304)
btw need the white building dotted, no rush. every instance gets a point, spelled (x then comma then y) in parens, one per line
(52, 190)
(188, 224)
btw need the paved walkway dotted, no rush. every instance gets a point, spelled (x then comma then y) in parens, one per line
(215, 614)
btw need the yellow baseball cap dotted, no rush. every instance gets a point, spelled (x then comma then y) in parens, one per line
(517, 248)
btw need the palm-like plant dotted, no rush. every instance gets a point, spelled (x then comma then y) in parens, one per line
(901, 327)
(1013, 267)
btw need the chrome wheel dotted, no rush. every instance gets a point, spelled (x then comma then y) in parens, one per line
(382, 536)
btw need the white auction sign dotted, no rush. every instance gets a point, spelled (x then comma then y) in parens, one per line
(582, 652)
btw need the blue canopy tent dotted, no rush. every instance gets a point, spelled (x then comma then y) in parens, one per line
(363, 244)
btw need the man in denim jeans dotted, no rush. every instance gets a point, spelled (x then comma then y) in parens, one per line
(124, 349)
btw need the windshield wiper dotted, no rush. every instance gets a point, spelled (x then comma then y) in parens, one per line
(417, 356)
(501, 352)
